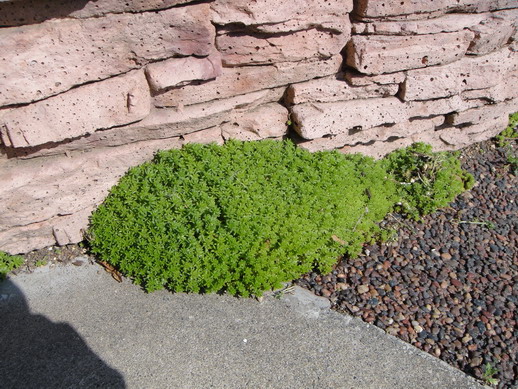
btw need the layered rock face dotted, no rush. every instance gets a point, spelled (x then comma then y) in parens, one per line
(90, 88)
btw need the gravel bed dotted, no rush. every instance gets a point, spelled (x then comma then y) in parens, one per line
(449, 283)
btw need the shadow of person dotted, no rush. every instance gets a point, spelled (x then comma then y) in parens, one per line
(38, 353)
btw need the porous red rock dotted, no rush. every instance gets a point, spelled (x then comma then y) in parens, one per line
(265, 121)
(185, 119)
(484, 5)
(376, 9)
(268, 12)
(104, 104)
(381, 133)
(160, 124)
(246, 79)
(453, 138)
(355, 78)
(315, 120)
(209, 135)
(490, 35)
(19, 12)
(505, 90)
(446, 23)
(379, 9)
(510, 15)
(483, 114)
(424, 109)
(469, 73)
(378, 149)
(38, 61)
(441, 139)
(379, 54)
(238, 49)
(335, 88)
(178, 71)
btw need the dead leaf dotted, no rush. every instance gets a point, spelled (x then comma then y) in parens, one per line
(338, 240)
(117, 276)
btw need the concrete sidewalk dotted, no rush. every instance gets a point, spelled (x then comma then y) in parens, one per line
(75, 327)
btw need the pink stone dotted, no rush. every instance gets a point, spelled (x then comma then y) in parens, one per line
(424, 109)
(239, 49)
(453, 138)
(163, 124)
(505, 90)
(268, 12)
(377, 8)
(70, 229)
(16, 13)
(446, 23)
(377, 149)
(177, 71)
(386, 54)
(265, 121)
(210, 135)
(490, 35)
(314, 120)
(480, 72)
(113, 102)
(185, 119)
(483, 114)
(246, 79)
(381, 133)
(510, 15)
(357, 79)
(330, 89)
(484, 5)
(38, 61)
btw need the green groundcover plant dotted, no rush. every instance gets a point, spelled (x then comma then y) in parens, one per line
(505, 139)
(8, 263)
(427, 181)
(244, 217)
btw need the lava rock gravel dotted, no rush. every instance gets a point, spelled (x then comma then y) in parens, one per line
(447, 284)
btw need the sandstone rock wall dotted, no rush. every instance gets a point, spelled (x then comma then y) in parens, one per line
(90, 88)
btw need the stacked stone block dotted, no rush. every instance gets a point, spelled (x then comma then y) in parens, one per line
(91, 88)
(415, 62)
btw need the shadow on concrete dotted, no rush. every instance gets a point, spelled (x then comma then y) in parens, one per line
(38, 353)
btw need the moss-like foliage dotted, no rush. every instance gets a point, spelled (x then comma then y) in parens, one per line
(242, 217)
(426, 180)
(506, 139)
(8, 263)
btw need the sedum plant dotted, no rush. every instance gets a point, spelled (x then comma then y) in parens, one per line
(240, 218)
(243, 217)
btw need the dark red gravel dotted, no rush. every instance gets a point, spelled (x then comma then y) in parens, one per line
(448, 284)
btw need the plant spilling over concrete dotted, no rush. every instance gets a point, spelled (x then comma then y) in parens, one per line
(244, 217)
